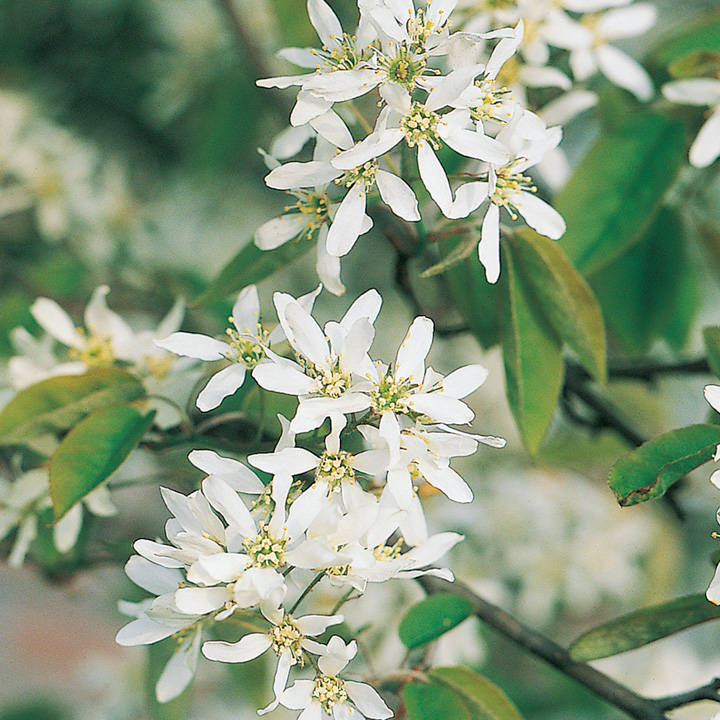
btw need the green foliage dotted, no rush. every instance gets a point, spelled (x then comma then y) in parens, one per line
(647, 473)
(60, 402)
(532, 357)
(432, 617)
(430, 701)
(475, 298)
(703, 35)
(92, 450)
(711, 336)
(698, 63)
(564, 297)
(251, 265)
(649, 292)
(14, 311)
(618, 187)
(643, 627)
(484, 699)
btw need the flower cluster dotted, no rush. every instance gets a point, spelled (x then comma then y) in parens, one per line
(330, 512)
(433, 99)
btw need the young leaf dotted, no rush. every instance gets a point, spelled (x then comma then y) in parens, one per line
(566, 300)
(457, 254)
(251, 265)
(642, 627)
(532, 358)
(484, 699)
(649, 292)
(711, 336)
(91, 451)
(429, 701)
(647, 473)
(618, 187)
(59, 402)
(432, 617)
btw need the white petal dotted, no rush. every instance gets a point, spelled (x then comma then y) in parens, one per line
(567, 106)
(713, 591)
(198, 601)
(292, 460)
(293, 175)
(52, 318)
(468, 198)
(194, 345)
(374, 145)
(695, 91)
(464, 380)
(447, 481)
(305, 335)
(474, 144)
(366, 306)
(325, 22)
(247, 648)
(712, 395)
(239, 477)
(228, 503)
(333, 129)
(284, 81)
(67, 529)
(367, 701)
(434, 177)
(180, 669)
(341, 85)
(220, 386)
(450, 87)
(410, 362)
(144, 631)
(489, 247)
(307, 107)
(396, 193)
(706, 147)
(538, 214)
(625, 72)
(317, 624)
(327, 266)
(347, 222)
(441, 408)
(151, 577)
(626, 22)
(279, 378)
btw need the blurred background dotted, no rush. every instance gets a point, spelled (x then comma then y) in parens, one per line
(128, 156)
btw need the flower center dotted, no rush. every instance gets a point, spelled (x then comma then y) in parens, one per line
(491, 102)
(97, 350)
(363, 173)
(508, 183)
(159, 365)
(384, 553)
(337, 570)
(402, 68)
(390, 394)
(334, 468)
(313, 206)
(332, 381)
(342, 57)
(420, 125)
(243, 348)
(287, 636)
(265, 550)
(329, 690)
(420, 28)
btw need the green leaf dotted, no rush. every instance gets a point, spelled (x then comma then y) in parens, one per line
(649, 292)
(647, 473)
(251, 265)
(474, 297)
(429, 701)
(701, 35)
(566, 300)
(532, 358)
(698, 63)
(59, 402)
(91, 451)
(618, 187)
(642, 627)
(432, 617)
(711, 336)
(457, 254)
(485, 700)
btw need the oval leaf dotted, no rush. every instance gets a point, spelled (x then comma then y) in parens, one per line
(485, 700)
(532, 358)
(648, 472)
(251, 265)
(566, 299)
(711, 336)
(432, 617)
(642, 627)
(91, 451)
(59, 402)
(616, 190)
(429, 701)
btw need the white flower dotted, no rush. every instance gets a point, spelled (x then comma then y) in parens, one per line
(288, 638)
(700, 91)
(158, 619)
(422, 127)
(590, 50)
(329, 361)
(245, 347)
(329, 696)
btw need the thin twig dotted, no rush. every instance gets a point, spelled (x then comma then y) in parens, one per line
(306, 591)
(711, 691)
(620, 696)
